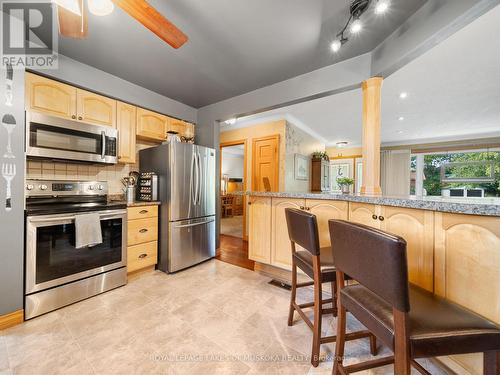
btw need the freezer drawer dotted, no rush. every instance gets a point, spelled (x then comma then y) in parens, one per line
(191, 242)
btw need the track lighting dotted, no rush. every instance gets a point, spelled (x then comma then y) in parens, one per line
(382, 6)
(356, 9)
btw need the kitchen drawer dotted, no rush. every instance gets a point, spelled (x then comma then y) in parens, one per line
(142, 212)
(141, 256)
(142, 230)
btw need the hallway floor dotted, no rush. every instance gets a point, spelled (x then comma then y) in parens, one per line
(232, 226)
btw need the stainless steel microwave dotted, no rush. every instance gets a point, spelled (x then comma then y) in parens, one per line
(61, 139)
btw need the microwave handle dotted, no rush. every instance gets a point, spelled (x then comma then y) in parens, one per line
(103, 144)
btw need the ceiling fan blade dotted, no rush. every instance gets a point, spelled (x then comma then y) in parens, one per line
(72, 25)
(153, 20)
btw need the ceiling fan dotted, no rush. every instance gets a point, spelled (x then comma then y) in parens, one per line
(73, 18)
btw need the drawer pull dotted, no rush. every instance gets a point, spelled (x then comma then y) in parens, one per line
(143, 211)
(301, 207)
(143, 230)
(381, 218)
(374, 217)
(142, 256)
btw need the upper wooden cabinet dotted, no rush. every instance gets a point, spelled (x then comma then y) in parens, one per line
(126, 120)
(259, 232)
(183, 128)
(151, 125)
(49, 96)
(95, 109)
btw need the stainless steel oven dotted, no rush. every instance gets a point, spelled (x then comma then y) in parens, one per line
(56, 272)
(61, 139)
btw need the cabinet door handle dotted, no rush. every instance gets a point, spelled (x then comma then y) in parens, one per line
(142, 256)
(80, 117)
(143, 211)
(374, 217)
(381, 218)
(249, 203)
(143, 230)
(73, 117)
(308, 208)
(301, 207)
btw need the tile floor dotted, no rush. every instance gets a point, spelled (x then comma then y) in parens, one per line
(212, 319)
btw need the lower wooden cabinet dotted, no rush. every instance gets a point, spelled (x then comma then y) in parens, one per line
(142, 239)
(325, 211)
(259, 229)
(364, 213)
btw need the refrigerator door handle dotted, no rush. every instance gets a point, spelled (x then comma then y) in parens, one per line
(192, 194)
(200, 183)
(194, 224)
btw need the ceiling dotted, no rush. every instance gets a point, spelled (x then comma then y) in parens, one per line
(237, 150)
(234, 46)
(453, 93)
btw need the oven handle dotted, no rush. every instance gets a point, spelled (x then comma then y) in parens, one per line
(103, 216)
(103, 144)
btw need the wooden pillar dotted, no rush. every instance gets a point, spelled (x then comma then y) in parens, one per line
(371, 136)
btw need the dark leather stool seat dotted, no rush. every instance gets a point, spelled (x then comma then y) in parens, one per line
(437, 327)
(304, 261)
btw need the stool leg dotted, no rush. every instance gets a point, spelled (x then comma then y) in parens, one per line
(340, 343)
(334, 298)
(293, 293)
(373, 344)
(318, 307)
(491, 363)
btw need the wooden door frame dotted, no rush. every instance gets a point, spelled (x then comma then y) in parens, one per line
(236, 143)
(277, 158)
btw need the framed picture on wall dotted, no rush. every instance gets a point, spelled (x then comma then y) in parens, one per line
(301, 164)
(338, 169)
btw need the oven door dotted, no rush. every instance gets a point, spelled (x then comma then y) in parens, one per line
(57, 138)
(51, 256)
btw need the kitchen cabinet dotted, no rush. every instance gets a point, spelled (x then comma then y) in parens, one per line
(281, 252)
(417, 228)
(125, 121)
(320, 175)
(142, 238)
(364, 213)
(324, 211)
(51, 97)
(151, 125)
(183, 128)
(259, 229)
(95, 109)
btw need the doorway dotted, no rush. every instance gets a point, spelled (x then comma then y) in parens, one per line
(233, 237)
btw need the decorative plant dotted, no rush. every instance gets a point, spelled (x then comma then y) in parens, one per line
(320, 155)
(345, 181)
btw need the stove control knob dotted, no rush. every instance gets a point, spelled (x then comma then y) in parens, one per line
(43, 187)
(29, 187)
(91, 187)
(100, 187)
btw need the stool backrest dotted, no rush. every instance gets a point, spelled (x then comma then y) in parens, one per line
(374, 258)
(303, 229)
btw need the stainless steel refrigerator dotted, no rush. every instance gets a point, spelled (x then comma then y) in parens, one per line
(186, 178)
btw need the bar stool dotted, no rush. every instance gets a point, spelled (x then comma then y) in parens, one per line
(318, 265)
(412, 322)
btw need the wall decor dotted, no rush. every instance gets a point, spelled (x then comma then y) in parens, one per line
(301, 167)
(9, 123)
(9, 79)
(8, 173)
(341, 168)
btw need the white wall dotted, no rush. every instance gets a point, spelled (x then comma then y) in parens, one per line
(232, 165)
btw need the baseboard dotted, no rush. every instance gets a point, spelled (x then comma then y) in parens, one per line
(11, 319)
(138, 273)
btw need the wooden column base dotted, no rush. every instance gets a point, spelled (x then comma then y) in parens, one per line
(11, 319)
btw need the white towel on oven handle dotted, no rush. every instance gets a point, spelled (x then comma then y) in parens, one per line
(87, 230)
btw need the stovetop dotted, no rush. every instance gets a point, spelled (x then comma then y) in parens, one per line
(63, 208)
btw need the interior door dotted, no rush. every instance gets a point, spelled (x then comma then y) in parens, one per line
(265, 173)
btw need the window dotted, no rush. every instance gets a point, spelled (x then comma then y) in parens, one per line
(460, 174)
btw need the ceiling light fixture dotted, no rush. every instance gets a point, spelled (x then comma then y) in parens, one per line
(401, 118)
(100, 7)
(72, 5)
(341, 144)
(354, 24)
(382, 6)
(403, 95)
(231, 121)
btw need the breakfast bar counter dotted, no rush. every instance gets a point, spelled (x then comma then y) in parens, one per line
(453, 243)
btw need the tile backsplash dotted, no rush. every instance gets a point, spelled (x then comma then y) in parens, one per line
(37, 169)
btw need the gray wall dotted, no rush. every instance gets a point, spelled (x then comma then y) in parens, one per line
(12, 222)
(76, 73)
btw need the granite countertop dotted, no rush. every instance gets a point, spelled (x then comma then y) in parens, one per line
(469, 206)
(119, 199)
